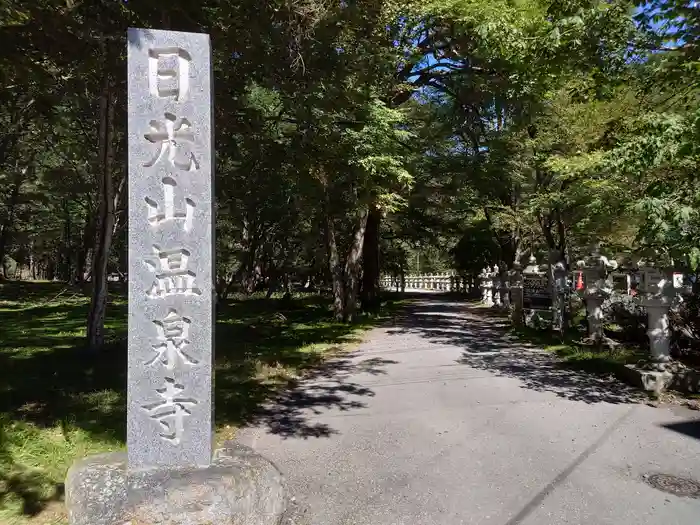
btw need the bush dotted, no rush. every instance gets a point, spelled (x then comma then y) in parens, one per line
(685, 329)
(628, 316)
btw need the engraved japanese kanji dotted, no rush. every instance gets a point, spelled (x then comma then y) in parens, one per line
(170, 348)
(171, 248)
(158, 215)
(169, 72)
(172, 136)
(171, 411)
(171, 274)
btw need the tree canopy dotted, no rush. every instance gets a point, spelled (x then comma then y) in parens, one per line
(357, 137)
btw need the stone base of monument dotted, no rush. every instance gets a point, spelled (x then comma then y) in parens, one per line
(240, 487)
(674, 377)
(650, 380)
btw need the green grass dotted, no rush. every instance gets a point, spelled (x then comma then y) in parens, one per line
(602, 361)
(59, 402)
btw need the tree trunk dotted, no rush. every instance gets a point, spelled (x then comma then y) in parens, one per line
(250, 252)
(32, 264)
(335, 268)
(6, 227)
(370, 262)
(105, 220)
(352, 267)
(85, 254)
(67, 270)
(518, 253)
(561, 231)
(272, 283)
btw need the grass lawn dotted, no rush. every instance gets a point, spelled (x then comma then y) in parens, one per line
(602, 361)
(59, 402)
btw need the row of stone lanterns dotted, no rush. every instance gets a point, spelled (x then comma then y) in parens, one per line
(659, 289)
(657, 292)
(494, 284)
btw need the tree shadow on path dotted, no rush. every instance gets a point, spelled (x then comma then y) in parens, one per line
(327, 387)
(487, 344)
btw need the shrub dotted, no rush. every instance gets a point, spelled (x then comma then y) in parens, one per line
(629, 317)
(685, 328)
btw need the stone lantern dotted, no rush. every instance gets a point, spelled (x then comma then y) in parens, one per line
(515, 277)
(657, 294)
(595, 270)
(532, 267)
(486, 286)
(560, 287)
(496, 286)
(504, 290)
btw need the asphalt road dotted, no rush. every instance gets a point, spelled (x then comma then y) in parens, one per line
(442, 419)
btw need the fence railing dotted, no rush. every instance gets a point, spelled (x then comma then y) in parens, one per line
(439, 282)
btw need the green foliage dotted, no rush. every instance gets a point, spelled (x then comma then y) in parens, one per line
(471, 131)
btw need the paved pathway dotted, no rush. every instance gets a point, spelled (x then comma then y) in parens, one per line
(441, 419)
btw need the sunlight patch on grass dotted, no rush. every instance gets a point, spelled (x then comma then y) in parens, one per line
(33, 464)
(598, 361)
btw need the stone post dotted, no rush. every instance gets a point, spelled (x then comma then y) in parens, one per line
(171, 323)
(595, 270)
(171, 253)
(516, 290)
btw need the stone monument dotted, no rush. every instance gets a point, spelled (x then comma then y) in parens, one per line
(170, 473)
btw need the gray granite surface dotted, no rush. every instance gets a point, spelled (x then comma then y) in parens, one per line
(239, 487)
(169, 421)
